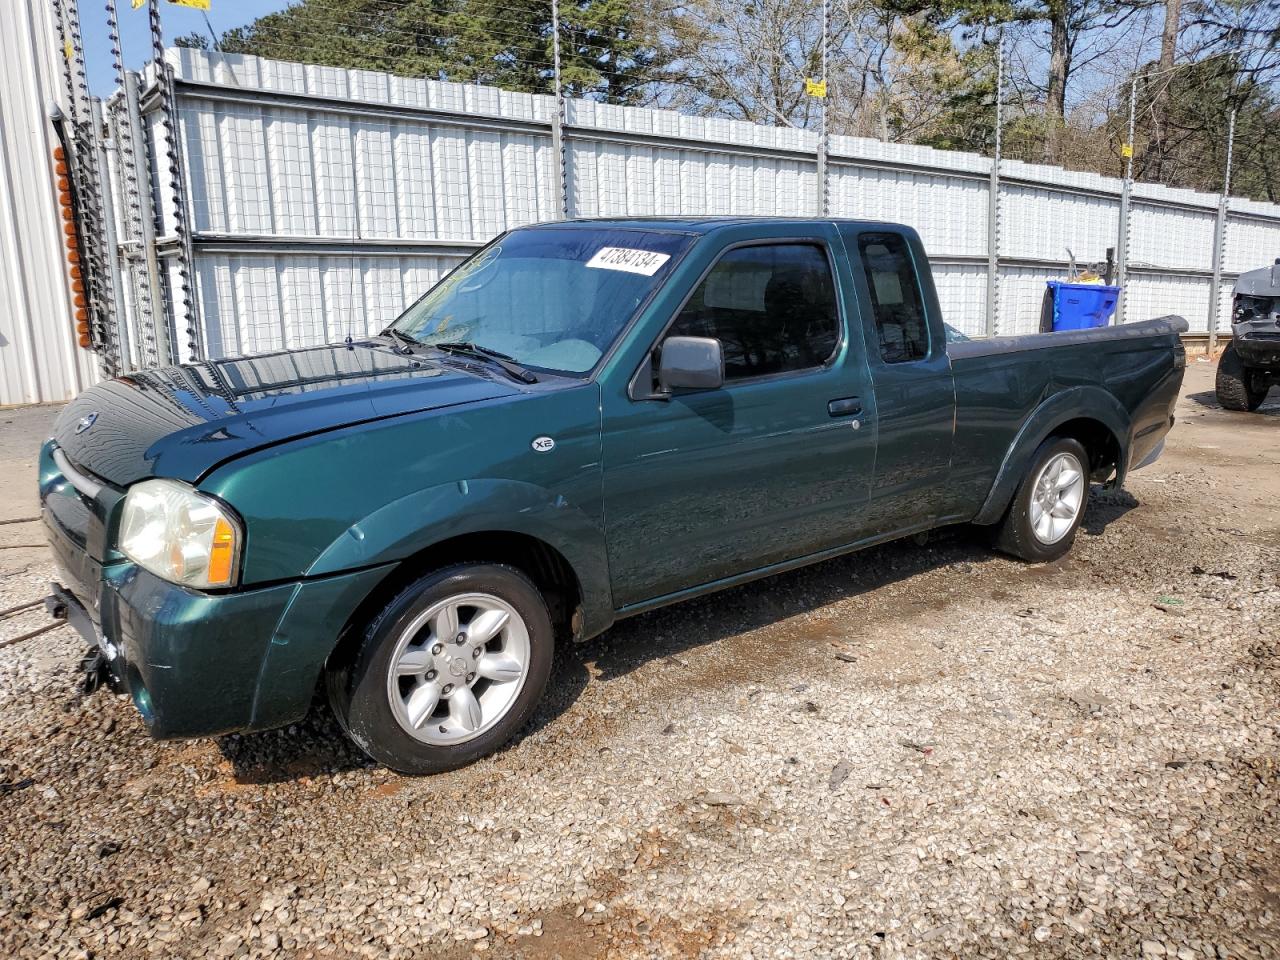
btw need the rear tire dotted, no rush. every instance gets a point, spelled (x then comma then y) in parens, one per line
(1046, 511)
(1235, 384)
(448, 671)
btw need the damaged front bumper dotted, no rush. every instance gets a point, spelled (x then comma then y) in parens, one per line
(62, 604)
(204, 664)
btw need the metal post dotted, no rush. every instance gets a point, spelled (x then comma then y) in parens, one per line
(120, 329)
(158, 341)
(993, 199)
(1220, 240)
(557, 117)
(1122, 245)
(822, 133)
(183, 296)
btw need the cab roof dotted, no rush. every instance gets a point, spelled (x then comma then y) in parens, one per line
(699, 225)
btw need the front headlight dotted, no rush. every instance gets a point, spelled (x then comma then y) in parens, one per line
(180, 535)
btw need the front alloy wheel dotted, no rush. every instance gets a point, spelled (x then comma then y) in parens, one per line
(458, 667)
(448, 671)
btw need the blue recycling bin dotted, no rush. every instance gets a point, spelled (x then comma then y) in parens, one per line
(1079, 306)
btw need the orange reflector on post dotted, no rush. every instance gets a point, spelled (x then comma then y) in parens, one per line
(221, 554)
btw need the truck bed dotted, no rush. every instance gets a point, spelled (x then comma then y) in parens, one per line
(1000, 381)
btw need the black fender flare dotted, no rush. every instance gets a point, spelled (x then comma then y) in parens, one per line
(1075, 403)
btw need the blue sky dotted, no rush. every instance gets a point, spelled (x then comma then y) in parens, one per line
(135, 34)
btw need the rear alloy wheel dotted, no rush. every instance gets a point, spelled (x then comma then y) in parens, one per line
(1046, 512)
(448, 671)
(1235, 384)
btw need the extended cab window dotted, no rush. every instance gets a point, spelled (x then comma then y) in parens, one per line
(772, 306)
(896, 302)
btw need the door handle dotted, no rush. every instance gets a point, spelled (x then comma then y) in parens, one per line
(845, 406)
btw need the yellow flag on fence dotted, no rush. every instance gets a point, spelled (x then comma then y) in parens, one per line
(194, 4)
(815, 88)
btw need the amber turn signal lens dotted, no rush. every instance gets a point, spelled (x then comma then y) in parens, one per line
(221, 553)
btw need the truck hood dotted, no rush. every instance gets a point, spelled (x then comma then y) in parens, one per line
(182, 421)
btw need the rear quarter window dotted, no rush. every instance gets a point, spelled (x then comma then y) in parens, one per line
(897, 305)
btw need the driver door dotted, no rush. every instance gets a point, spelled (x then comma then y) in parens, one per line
(773, 466)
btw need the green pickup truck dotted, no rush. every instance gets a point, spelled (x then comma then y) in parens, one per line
(583, 421)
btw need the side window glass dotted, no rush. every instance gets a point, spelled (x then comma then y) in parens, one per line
(773, 307)
(896, 302)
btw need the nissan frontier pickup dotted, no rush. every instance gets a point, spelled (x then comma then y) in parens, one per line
(583, 421)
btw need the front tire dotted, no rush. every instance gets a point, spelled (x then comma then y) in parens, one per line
(1235, 384)
(1046, 511)
(448, 671)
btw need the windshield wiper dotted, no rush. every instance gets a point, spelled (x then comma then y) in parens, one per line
(467, 348)
(408, 341)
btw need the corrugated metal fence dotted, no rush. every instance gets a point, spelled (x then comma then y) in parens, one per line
(322, 199)
(311, 202)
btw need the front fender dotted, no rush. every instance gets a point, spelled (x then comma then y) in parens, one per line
(1083, 402)
(426, 517)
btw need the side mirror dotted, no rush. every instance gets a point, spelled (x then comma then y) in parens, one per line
(690, 363)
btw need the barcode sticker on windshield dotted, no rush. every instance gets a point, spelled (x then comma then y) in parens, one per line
(644, 262)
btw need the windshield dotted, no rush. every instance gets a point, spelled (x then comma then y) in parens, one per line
(549, 298)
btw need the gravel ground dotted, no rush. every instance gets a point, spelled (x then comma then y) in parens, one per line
(923, 750)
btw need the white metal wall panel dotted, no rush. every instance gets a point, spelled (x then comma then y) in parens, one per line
(1252, 242)
(1224, 305)
(1171, 236)
(949, 212)
(39, 359)
(962, 293)
(255, 304)
(1021, 294)
(1152, 295)
(1043, 223)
